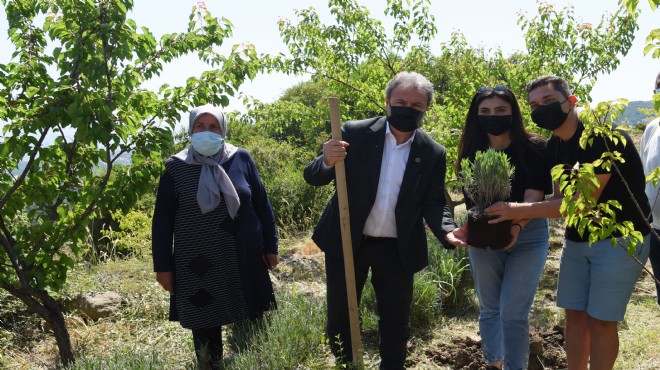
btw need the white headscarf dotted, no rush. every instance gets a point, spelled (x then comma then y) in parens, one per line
(213, 179)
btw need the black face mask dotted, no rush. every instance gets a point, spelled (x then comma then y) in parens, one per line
(495, 125)
(404, 119)
(549, 116)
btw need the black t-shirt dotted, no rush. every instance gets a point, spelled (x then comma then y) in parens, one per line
(530, 161)
(569, 152)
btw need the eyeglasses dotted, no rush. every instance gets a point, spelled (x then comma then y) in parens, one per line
(498, 88)
(657, 91)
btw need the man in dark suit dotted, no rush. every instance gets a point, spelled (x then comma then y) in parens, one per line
(395, 176)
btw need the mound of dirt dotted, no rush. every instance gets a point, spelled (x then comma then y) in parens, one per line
(546, 352)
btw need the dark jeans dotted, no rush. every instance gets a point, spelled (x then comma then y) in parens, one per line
(208, 347)
(654, 257)
(393, 287)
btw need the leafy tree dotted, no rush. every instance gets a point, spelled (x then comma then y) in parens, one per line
(355, 57)
(299, 117)
(336, 52)
(579, 207)
(653, 39)
(76, 75)
(558, 44)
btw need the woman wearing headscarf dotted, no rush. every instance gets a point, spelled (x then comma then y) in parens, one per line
(213, 235)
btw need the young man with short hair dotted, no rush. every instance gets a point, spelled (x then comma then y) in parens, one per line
(595, 281)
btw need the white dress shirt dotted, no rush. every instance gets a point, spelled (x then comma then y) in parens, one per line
(650, 153)
(382, 221)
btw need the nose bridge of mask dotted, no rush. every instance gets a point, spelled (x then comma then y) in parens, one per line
(406, 111)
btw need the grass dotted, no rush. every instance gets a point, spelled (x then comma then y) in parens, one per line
(639, 335)
(140, 337)
(290, 337)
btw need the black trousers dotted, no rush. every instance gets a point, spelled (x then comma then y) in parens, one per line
(393, 287)
(208, 347)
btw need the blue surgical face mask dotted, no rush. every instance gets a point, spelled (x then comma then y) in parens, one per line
(207, 143)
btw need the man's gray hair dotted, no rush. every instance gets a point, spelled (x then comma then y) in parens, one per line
(410, 80)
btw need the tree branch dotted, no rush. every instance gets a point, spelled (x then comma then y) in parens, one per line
(8, 246)
(26, 170)
(353, 88)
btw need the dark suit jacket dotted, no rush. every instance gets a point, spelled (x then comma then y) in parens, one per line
(421, 194)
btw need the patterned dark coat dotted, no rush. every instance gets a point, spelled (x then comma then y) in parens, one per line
(220, 276)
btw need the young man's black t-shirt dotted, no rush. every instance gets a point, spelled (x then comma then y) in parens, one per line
(569, 152)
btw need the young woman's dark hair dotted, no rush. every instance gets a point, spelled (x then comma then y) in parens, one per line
(474, 139)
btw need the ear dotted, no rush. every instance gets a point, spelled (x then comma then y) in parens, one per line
(572, 99)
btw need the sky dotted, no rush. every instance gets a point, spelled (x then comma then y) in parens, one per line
(483, 22)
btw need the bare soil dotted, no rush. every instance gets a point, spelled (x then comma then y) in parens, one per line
(546, 351)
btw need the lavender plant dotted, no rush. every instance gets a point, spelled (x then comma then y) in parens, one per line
(488, 179)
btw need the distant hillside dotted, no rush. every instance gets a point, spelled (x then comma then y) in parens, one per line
(124, 159)
(632, 116)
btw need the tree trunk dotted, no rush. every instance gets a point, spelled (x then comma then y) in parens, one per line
(41, 303)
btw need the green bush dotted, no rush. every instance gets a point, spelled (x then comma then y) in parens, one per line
(448, 267)
(112, 232)
(132, 238)
(297, 205)
(290, 338)
(368, 316)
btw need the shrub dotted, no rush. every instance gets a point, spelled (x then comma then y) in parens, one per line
(290, 338)
(132, 237)
(485, 181)
(488, 179)
(448, 266)
(297, 205)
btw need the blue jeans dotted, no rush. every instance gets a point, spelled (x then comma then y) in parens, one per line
(654, 257)
(505, 281)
